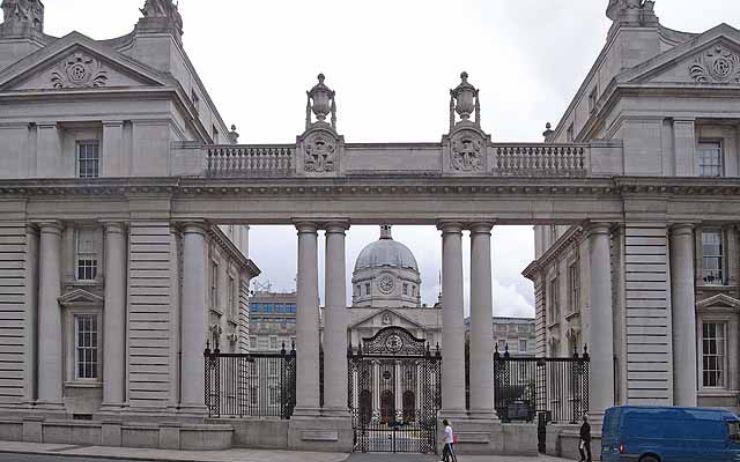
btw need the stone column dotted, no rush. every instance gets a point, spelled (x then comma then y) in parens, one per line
(31, 293)
(601, 335)
(114, 315)
(307, 322)
(50, 316)
(398, 390)
(481, 319)
(684, 315)
(194, 328)
(335, 329)
(453, 325)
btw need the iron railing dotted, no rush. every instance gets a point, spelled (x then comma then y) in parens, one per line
(555, 387)
(254, 384)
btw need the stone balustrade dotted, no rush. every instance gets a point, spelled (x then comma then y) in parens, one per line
(529, 160)
(252, 160)
(540, 160)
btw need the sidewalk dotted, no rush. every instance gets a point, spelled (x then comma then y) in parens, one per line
(232, 455)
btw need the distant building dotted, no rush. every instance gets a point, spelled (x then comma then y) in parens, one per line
(516, 334)
(272, 321)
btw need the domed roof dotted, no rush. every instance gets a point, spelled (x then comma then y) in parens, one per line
(385, 253)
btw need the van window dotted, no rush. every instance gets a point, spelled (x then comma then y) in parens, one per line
(733, 429)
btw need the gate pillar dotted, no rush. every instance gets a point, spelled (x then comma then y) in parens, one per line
(335, 332)
(481, 328)
(453, 325)
(601, 342)
(307, 322)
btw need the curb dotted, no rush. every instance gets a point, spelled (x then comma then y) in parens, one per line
(99, 456)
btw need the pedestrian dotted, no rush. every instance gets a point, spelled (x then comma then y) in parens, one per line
(448, 451)
(584, 445)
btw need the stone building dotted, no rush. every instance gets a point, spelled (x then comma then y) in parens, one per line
(665, 316)
(271, 321)
(116, 145)
(515, 335)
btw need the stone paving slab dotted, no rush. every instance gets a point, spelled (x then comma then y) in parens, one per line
(235, 455)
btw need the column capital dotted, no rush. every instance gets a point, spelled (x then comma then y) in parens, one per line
(593, 228)
(306, 227)
(194, 227)
(114, 227)
(481, 227)
(450, 227)
(338, 226)
(679, 229)
(50, 227)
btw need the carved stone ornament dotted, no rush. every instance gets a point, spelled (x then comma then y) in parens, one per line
(717, 65)
(79, 70)
(393, 340)
(466, 154)
(320, 154)
(385, 284)
(163, 9)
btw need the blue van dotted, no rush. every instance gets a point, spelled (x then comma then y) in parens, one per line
(670, 434)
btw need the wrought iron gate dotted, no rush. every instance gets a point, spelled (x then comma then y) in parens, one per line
(545, 389)
(394, 393)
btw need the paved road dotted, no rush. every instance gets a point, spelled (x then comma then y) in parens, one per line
(51, 458)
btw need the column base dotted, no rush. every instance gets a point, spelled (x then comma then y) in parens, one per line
(112, 408)
(306, 412)
(50, 406)
(486, 415)
(340, 412)
(489, 436)
(193, 409)
(322, 434)
(452, 414)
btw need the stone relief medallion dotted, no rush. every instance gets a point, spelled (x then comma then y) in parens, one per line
(394, 343)
(717, 65)
(320, 154)
(385, 284)
(465, 155)
(79, 71)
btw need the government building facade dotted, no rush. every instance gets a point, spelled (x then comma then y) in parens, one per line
(125, 201)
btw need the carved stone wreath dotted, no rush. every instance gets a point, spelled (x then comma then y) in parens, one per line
(320, 154)
(465, 155)
(717, 65)
(79, 71)
(394, 341)
(385, 284)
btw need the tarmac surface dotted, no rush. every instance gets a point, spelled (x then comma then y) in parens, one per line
(34, 452)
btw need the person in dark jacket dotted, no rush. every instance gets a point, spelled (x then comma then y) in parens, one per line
(584, 444)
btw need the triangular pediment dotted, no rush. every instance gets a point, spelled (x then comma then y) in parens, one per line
(384, 318)
(80, 297)
(710, 59)
(76, 62)
(719, 301)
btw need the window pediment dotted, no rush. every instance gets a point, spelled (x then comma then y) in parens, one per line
(719, 302)
(80, 297)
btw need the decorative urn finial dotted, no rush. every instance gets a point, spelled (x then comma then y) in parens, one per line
(321, 101)
(233, 135)
(385, 232)
(22, 18)
(464, 100)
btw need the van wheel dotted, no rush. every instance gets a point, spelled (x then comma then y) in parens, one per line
(649, 459)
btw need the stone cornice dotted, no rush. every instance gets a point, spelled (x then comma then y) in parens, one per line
(401, 185)
(574, 235)
(218, 237)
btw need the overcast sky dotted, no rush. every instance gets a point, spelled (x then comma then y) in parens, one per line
(392, 63)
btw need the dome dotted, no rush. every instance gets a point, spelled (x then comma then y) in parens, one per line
(386, 253)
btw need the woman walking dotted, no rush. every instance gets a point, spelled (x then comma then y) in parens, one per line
(448, 451)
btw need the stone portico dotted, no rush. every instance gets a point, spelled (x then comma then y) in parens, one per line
(109, 217)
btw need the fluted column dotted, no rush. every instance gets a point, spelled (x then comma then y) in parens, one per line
(307, 322)
(601, 335)
(481, 319)
(194, 328)
(453, 325)
(684, 315)
(50, 316)
(335, 330)
(114, 315)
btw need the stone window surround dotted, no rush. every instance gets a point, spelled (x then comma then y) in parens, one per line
(97, 252)
(729, 138)
(69, 344)
(729, 259)
(728, 315)
(722, 156)
(553, 280)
